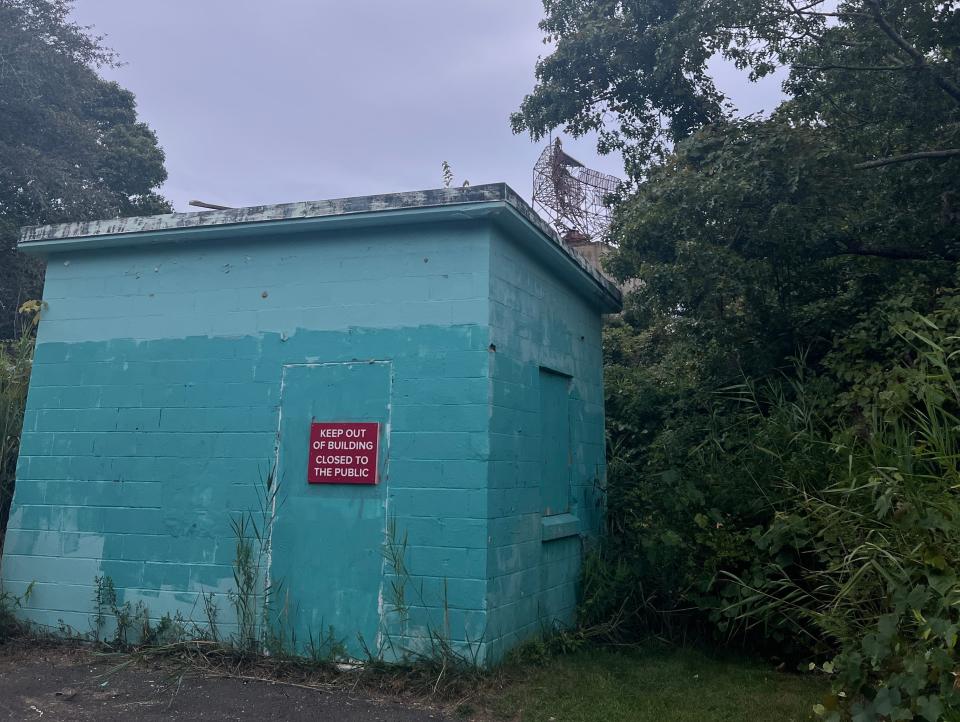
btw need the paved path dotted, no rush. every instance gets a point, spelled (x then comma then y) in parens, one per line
(62, 684)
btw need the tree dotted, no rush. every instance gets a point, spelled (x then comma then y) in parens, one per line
(825, 236)
(71, 147)
(756, 239)
(637, 71)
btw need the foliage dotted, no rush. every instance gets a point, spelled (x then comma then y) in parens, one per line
(640, 73)
(818, 516)
(264, 641)
(15, 362)
(10, 626)
(867, 556)
(781, 415)
(427, 648)
(131, 623)
(259, 624)
(71, 147)
(446, 173)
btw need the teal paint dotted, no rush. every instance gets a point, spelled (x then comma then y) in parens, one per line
(548, 341)
(169, 379)
(327, 541)
(555, 448)
(354, 279)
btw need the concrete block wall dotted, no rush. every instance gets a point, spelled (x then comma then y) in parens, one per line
(538, 322)
(153, 416)
(168, 383)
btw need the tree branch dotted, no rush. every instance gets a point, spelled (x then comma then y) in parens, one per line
(804, 24)
(947, 84)
(841, 15)
(897, 254)
(906, 157)
(856, 67)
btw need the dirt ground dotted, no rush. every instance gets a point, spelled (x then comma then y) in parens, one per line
(63, 683)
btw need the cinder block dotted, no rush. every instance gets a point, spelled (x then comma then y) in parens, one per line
(116, 443)
(142, 547)
(30, 491)
(134, 419)
(166, 575)
(32, 543)
(442, 391)
(40, 396)
(118, 396)
(469, 503)
(442, 417)
(49, 569)
(50, 353)
(72, 443)
(446, 561)
(154, 409)
(440, 445)
(36, 443)
(41, 518)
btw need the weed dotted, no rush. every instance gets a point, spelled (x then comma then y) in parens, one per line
(15, 361)
(131, 623)
(434, 658)
(254, 591)
(326, 647)
(211, 612)
(10, 626)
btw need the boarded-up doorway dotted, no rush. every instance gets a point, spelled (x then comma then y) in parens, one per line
(327, 545)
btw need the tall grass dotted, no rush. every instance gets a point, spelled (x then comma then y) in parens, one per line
(813, 516)
(15, 360)
(866, 558)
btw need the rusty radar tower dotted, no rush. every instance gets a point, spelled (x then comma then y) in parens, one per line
(572, 195)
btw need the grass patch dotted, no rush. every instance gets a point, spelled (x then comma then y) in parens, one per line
(656, 684)
(596, 683)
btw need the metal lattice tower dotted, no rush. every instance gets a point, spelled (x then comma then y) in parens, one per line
(572, 195)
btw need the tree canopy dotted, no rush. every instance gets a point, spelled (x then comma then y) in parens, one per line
(71, 146)
(782, 396)
(638, 72)
(757, 238)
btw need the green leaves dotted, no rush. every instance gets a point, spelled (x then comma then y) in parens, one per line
(782, 405)
(16, 359)
(641, 74)
(817, 513)
(71, 147)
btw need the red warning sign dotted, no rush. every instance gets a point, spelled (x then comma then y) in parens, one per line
(343, 452)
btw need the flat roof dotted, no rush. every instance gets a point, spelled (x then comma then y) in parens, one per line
(470, 202)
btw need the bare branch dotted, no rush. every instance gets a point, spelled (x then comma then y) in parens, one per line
(841, 15)
(804, 23)
(896, 68)
(906, 157)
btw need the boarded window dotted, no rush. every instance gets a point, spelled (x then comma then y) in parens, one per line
(555, 454)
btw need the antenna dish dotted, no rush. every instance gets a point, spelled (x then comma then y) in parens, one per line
(572, 195)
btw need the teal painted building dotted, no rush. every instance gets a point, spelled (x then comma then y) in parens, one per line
(181, 360)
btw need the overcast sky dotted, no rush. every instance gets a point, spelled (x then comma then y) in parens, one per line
(270, 101)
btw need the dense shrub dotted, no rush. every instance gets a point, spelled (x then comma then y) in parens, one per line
(15, 361)
(792, 505)
(815, 516)
(868, 561)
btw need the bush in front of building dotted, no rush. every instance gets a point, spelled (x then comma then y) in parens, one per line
(16, 357)
(813, 517)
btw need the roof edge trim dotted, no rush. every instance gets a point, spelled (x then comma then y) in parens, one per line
(415, 206)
